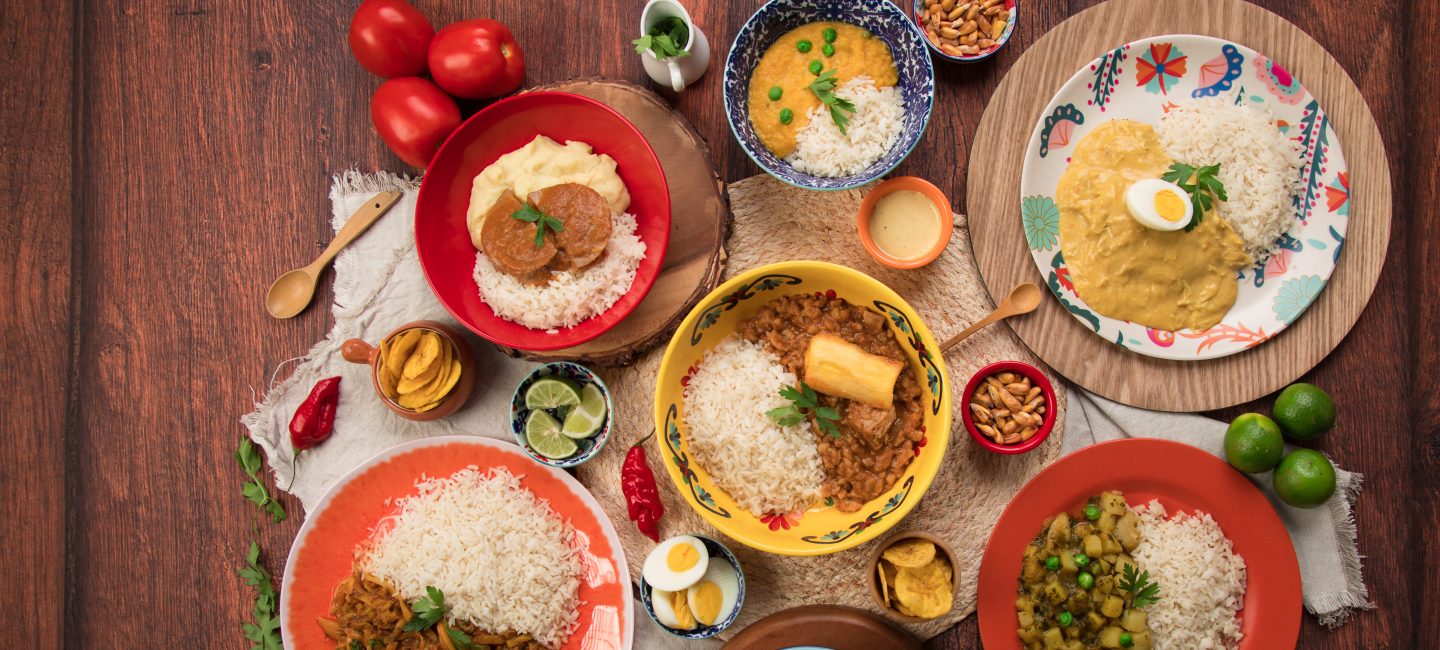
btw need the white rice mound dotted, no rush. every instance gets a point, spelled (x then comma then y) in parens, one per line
(1202, 580)
(1259, 166)
(764, 467)
(502, 557)
(569, 297)
(821, 149)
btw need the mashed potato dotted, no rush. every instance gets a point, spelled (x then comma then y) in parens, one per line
(541, 164)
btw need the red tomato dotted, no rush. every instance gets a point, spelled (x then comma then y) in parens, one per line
(476, 59)
(414, 117)
(390, 38)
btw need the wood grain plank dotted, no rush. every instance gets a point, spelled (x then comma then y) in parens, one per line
(36, 186)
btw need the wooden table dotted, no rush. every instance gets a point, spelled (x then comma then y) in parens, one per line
(163, 161)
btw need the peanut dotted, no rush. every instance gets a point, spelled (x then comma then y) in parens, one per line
(1007, 407)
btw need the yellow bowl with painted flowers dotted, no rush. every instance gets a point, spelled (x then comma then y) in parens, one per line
(828, 525)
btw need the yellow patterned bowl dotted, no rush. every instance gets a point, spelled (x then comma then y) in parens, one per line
(822, 528)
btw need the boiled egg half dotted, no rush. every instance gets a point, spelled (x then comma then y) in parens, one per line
(713, 598)
(1159, 205)
(676, 563)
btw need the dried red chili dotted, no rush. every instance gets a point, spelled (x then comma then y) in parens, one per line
(642, 497)
(315, 417)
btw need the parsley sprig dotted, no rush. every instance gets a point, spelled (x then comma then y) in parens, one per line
(265, 631)
(254, 490)
(428, 611)
(461, 640)
(1203, 190)
(665, 39)
(824, 88)
(1142, 591)
(804, 402)
(530, 214)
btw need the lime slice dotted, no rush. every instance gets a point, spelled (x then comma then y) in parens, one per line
(543, 434)
(584, 420)
(552, 392)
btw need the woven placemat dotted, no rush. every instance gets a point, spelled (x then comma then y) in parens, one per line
(773, 223)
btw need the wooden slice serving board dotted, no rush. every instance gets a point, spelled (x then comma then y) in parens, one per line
(997, 157)
(699, 221)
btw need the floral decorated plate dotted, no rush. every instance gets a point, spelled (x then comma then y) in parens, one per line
(1141, 81)
(822, 528)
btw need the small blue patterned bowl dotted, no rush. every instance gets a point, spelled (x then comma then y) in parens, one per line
(1010, 5)
(881, 18)
(579, 374)
(717, 550)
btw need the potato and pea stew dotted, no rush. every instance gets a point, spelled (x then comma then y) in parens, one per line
(1079, 587)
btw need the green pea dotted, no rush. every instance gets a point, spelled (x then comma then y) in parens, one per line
(1082, 560)
(804, 46)
(786, 115)
(1085, 579)
(1126, 640)
(1092, 512)
(1066, 619)
(775, 93)
(816, 66)
(1052, 563)
(829, 34)
(828, 49)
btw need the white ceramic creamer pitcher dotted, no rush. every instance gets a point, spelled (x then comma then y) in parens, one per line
(679, 71)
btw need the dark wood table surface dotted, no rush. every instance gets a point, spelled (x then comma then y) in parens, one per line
(162, 161)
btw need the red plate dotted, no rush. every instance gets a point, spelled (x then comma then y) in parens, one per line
(443, 242)
(1184, 479)
(324, 551)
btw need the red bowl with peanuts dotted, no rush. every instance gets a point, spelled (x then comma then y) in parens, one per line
(981, 412)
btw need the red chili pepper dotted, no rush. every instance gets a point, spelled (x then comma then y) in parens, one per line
(642, 497)
(315, 417)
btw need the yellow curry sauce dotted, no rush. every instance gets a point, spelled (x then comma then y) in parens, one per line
(857, 53)
(1164, 280)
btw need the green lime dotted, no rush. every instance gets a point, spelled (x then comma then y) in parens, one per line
(543, 434)
(584, 420)
(1253, 443)
(1304, 411)
(552, 392)
(1304, 478)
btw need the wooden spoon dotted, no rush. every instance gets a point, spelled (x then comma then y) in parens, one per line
(291, 292)
(1023, 299)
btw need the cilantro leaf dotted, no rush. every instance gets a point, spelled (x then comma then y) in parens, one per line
(461, 640)
(254, 491)
(1202, 184)
(824, 88)
(1142, 591)
(665, 39)
(428, 611)
(530, 214)
(805, 402)
(265, 631)
(643, 43)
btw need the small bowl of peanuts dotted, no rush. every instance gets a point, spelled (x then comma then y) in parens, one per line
(1009, 407)
(966, 31)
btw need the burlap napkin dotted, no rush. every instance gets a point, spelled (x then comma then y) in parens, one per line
(1324, 537)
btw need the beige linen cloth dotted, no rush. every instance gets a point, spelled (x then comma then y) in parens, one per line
(379, 285)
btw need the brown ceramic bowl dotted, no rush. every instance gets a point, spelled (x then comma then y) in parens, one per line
(940, 548)
(358, 351)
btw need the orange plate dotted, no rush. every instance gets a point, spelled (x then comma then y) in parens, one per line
(324, 550)
(1184, 479)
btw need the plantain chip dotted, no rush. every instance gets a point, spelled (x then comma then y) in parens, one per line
(422, 360)
(400, 348)
(420, 394)
(925, 591)
(912, 553)
(884, 582)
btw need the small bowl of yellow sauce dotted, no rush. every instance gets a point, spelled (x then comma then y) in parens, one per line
(905, 222)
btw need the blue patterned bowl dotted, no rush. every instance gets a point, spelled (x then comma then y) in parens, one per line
(579, 374)
(881, 18)
(717, 551)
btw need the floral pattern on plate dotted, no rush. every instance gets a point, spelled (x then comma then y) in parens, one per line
(1141, 81)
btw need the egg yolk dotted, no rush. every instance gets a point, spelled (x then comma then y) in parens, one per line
(1169, 206)
(681, 557)
(683, 615)
(705, 602)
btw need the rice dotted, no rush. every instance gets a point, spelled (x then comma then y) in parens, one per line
(1259, 166)
(764, 467)
(1202, 580)
(569, 297)
(502, 557)
(874, 127)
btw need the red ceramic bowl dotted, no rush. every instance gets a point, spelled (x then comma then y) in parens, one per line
(443, 242)
(1037, 378)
